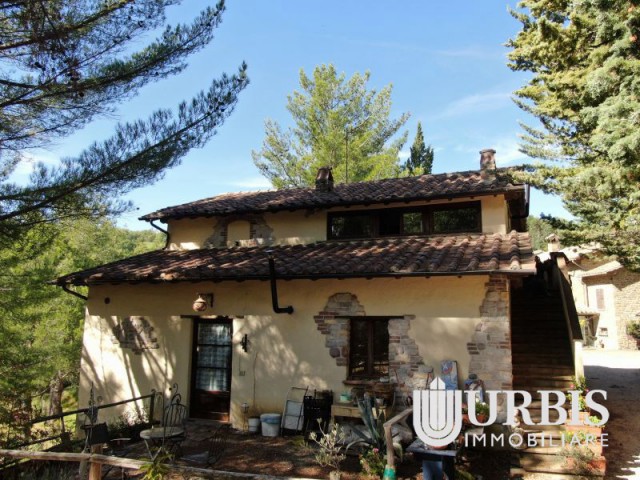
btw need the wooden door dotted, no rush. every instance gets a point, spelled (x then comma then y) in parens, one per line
(211, 369)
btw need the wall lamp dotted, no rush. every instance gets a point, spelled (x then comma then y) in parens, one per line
(244, 343)
(204, 301)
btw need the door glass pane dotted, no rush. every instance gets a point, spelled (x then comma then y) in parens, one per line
(213, 356)
(216, 334)
(209, 380)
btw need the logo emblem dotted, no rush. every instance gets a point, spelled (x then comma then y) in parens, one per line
(437, 416)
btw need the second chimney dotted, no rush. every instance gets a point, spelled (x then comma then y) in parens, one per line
(324, 180)
(487, 160)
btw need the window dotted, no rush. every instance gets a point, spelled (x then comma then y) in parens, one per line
(447, 218)
(450, 220)
(369, 347)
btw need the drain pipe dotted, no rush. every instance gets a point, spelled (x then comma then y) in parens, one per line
(75, 294)
(274, 288)
(166, 233)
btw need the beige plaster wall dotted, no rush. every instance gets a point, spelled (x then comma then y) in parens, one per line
(494, 214)
(285, 350)
(189, 233)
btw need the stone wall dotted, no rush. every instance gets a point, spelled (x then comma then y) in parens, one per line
(406, 365)
(490, 345)
(627, 305)
(258, 230)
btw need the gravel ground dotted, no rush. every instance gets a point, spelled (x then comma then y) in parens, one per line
(618, 373)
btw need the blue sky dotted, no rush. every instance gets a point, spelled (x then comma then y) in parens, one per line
(446, 61)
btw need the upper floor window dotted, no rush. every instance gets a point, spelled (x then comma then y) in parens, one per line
(449, 218)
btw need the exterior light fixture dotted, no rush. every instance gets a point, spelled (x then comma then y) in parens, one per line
(244, 343)
(204, 301)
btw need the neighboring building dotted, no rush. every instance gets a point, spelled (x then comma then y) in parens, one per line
(607, 297)
(385, 278)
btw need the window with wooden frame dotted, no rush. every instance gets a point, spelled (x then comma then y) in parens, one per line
(369, 348)
(439, 219)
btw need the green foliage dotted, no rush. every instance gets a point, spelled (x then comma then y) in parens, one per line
(158, 468)
(373, 422)
(579, 383)
(331, 444)
(420, 161)
(41, 328)
(633, 329)
(373, 463)
(585, 91)
(338, 123)
(539, 229)
(65, 62)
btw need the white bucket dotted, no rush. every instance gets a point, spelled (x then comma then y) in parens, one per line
(270, 424)
(254, 424)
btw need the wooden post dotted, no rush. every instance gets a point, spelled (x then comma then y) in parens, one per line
(391, 461)
(95, 468)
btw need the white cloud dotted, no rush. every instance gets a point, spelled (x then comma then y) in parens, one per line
(30, 159)
(404, 154)
(482, 102)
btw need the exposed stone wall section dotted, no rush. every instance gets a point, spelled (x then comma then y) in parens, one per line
(332, 323)
(258, 230)
(407, 366)
(135, 333)
(490, 344)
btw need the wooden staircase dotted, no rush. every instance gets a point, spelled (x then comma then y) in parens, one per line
(542, 360)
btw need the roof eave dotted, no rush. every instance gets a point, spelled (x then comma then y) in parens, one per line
(328, 276)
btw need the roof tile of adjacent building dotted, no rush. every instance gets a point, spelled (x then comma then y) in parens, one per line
(408, 256)
(425, 187)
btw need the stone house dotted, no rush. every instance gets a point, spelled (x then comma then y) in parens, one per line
(329, 287)
(607, 296)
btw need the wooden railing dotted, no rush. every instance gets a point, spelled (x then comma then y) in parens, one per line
(64, 436)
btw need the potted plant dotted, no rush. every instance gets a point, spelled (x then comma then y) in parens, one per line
(633, 329)
(331, 444)
(482, 412)
(580, 384)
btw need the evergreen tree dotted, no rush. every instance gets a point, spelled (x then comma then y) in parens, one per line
(420, 161)
(585, 91)
(338, 123)
(41, 327)
(64, 62)
(539, 229)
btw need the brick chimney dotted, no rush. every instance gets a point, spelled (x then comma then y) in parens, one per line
(553, 243)
(324, 180)
(487, 160)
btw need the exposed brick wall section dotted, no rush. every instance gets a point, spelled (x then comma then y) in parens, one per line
(407, 366)
(258, 229)
(490, 344)
(332, 323)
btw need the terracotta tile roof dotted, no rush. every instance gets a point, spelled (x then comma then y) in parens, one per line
(436, 255)
(444, 185)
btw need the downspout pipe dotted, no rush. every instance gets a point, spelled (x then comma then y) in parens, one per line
(66, 288)
(166, 233)
(274, 288)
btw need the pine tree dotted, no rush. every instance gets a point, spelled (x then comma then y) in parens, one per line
(338, 123)
(420, 161)
(585, 91)
(65, 62)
